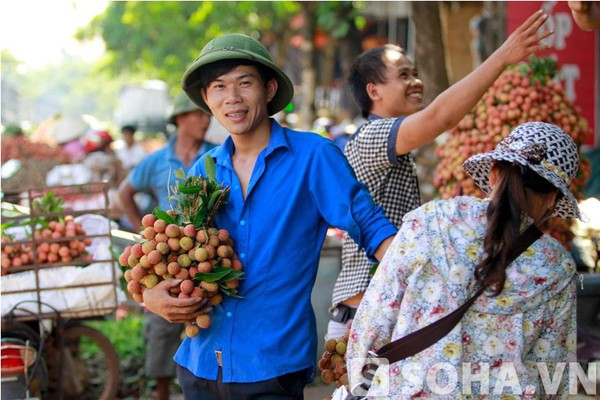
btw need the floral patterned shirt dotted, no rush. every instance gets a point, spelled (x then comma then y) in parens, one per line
(508, 346)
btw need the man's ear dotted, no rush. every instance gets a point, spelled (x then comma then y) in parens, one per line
(272, 86)
(372, 91)
(203, 94)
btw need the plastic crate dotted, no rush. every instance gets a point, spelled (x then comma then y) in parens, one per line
(81, 287)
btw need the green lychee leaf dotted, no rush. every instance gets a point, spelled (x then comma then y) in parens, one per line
(214, 276)
(210, 168)
(213, 198)
(160, 214)
(180, 199)
(199, 217)
(233, 274)
(229, 292)
(180, 173)
(190, 189)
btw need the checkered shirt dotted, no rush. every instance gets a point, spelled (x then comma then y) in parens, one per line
(392, 182)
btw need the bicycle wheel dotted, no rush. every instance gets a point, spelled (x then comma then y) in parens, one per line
(90, 364)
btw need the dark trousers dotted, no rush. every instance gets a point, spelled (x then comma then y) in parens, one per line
(284, 387)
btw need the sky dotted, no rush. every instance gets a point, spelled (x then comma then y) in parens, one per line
(38, 31)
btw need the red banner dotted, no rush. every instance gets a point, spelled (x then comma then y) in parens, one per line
(575, 50)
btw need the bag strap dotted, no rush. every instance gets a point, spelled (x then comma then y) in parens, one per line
(423, 338)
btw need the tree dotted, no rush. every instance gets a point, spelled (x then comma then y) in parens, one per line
(431, 61)
(160, 39)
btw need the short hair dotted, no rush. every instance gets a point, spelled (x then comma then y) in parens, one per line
(368, 67)
(128, 128)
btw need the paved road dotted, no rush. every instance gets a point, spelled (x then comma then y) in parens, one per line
(312, 392)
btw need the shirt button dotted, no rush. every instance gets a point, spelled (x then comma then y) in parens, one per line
(243, 222)
(229, 314)
(243, 255)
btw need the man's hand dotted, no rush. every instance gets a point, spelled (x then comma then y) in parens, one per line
(173, 309)
(525, 40)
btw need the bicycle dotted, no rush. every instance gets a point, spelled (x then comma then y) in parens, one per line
(71, 360)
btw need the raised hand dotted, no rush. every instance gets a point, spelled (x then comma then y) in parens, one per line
(525, 40)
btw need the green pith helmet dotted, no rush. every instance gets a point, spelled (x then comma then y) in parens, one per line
(181, 105)
(231, 47)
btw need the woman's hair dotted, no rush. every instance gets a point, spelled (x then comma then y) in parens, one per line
(369, 67)
(505, 214)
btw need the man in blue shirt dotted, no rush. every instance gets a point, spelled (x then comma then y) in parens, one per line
(156, 173)
(287, 188)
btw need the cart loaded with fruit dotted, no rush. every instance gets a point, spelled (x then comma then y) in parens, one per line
(184, 243)
(56, 252)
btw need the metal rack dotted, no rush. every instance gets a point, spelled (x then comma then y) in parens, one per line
(91, 198)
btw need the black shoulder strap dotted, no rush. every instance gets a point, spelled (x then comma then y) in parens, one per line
(423, 338)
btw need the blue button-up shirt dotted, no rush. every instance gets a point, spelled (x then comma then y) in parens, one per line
(156, 172)
(301, 184)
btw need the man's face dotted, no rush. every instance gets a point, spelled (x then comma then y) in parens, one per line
(193, 124)
(402, 93)
(128, 137)
(238, 99)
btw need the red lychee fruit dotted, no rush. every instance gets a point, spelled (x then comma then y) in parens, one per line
(201, 236)
(186, 286)
(173, 268)
(172, 231)
(148, 220)
(160, 225)
(189, 231)
(201, 254)
(134, 286)
(136, 250)
(191, 330)
(203, 321)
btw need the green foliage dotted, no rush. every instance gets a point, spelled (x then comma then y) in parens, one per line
(339, 17)
(47, 204)
(127, 336)
(161, 38)
(540, 69)
(198, 199)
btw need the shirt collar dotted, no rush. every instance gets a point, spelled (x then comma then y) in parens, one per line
(277, 140)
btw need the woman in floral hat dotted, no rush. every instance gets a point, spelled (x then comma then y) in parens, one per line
(512, 340)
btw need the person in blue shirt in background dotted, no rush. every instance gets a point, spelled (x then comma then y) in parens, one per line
(156, 173)
(287, 189)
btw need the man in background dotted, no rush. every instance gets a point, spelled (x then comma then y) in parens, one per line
(133, 152)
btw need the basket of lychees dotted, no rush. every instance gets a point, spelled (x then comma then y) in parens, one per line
(184, 243)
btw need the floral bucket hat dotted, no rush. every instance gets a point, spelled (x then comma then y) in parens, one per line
(545, 149)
